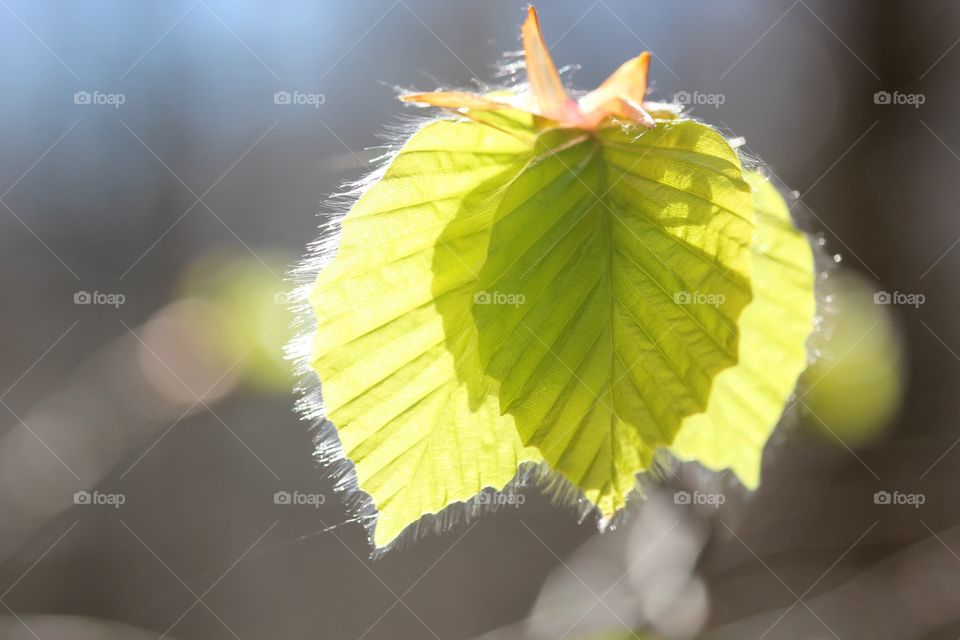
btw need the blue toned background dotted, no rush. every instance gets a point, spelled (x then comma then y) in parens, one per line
(185, 191)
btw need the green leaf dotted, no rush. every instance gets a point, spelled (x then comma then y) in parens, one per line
(390, 382)
(599, 364)
(510, 294)
(748, 399)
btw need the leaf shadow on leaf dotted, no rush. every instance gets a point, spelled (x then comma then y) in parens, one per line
(565, 303)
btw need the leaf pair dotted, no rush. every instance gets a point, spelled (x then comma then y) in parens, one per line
(579, 284)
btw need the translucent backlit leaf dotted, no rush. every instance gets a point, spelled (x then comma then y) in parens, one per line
(393, 379)
(747, 400)
(571, 284)
(595, 245)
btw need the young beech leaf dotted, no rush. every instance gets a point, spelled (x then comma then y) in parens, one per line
(572, 283)
(747, 399)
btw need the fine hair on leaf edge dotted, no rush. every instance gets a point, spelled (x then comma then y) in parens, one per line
(330, 454)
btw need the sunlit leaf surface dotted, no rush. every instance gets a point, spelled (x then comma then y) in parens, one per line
(574, 283)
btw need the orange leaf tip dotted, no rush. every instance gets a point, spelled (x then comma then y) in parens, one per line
(620, 96)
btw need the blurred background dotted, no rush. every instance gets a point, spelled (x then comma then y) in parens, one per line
(162, 168)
